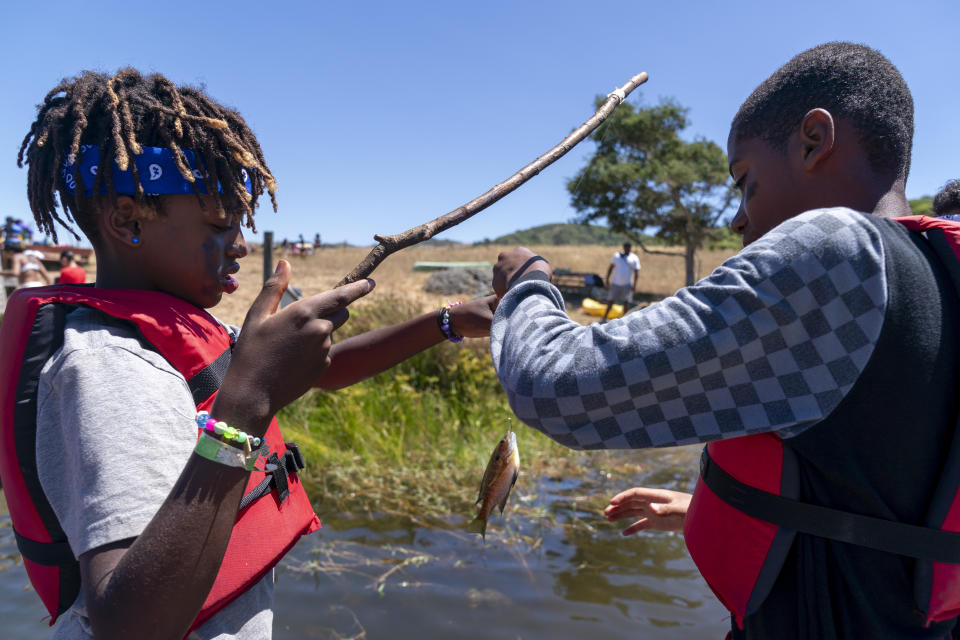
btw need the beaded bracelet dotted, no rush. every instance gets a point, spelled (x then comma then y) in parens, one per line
(225, 444)
(228, 434)
(443, 319)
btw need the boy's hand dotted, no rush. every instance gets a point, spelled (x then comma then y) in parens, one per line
(658, 509)
(511, 263)
(472, 319)
(280, 354)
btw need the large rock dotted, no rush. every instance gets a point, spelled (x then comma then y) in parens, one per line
(469, 282)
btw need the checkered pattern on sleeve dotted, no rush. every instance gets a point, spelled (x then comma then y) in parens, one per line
(772, 340)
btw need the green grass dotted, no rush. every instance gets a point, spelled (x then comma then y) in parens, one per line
(402, 440)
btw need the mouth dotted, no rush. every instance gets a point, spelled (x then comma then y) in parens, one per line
(228, 283)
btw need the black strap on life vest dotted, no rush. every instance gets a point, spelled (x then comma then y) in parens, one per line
(915, 541)
(46, 336)
(205, 382)
(277, 478)
(948, 258)
(925, 543)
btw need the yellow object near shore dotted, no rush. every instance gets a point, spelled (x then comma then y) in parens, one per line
(594, 308)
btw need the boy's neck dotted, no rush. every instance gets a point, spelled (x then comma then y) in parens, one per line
(113, 273)
(893, 204)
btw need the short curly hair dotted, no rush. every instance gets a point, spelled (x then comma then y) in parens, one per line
(852, 82)
(947, 199)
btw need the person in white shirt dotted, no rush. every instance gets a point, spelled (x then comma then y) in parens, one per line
(29, 270)
(622, 275)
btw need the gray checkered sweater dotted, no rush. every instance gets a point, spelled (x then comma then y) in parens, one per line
(772, 340)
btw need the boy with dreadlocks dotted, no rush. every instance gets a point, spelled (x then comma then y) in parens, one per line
(820, 365)
(131, 526)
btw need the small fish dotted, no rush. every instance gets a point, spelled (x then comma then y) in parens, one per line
(498, 479)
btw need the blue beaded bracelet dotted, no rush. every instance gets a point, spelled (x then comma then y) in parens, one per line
(443, 319)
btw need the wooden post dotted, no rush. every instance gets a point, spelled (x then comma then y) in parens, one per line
(267, 255)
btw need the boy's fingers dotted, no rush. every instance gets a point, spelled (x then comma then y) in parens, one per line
(328, 303)
(338, 318)
(635, 493)
(271, 293)
(639, 525)
(642, 494)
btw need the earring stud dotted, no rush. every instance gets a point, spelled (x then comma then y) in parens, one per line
(135, 240)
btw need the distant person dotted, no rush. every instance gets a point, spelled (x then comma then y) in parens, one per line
(622, 276)
(17, 236)
(29, 270)
(946, 204)
(316, 241)
(70, 271)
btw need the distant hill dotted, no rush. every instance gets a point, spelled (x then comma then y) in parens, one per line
(563, 234)
(587, 234)
(434, 242)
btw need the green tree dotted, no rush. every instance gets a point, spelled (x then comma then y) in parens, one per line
(642, 175)
(922, 206)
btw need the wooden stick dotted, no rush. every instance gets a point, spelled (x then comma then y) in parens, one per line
(391, 244)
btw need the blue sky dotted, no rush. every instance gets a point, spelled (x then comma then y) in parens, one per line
(377, 116)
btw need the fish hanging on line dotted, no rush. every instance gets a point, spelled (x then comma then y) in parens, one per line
(498, 479)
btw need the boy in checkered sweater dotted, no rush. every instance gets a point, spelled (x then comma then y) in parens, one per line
(834, 329)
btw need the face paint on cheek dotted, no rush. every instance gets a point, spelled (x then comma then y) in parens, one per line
(211, 267)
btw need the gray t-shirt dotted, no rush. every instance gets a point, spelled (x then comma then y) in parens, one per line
(103, 488)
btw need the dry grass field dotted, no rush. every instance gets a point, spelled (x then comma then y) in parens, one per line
(660, 275)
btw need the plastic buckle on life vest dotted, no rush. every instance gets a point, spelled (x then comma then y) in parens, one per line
(294, 457)
(279, 476)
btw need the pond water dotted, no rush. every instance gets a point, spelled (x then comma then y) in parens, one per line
(551, 567)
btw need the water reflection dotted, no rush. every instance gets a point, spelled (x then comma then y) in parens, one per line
(550, 568)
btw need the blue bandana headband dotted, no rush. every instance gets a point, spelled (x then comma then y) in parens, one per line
(156, 167)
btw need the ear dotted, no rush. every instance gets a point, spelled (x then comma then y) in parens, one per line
(817, 138)
(122, 221)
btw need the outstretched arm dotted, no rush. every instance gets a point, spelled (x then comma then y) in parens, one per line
(735, 354)
(658, 509)
(362, 356)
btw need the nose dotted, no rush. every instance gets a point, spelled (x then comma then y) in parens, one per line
(739, 223)
(237, 248)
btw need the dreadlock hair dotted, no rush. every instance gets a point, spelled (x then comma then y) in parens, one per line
(120, 114)
(947, 199)
(851, 81)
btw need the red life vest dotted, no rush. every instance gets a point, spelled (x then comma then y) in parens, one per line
(275, 511)
(744, 514)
